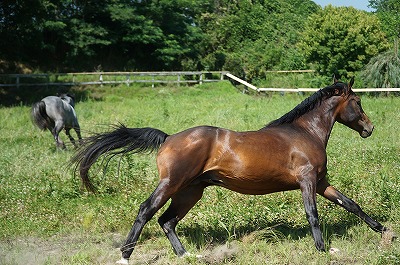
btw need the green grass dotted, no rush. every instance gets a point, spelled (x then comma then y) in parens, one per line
(44, 210)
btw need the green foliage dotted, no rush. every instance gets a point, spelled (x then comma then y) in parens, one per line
(250, 37)
(388, 12)
(337, 40)
(155, 35)
(247, 38)
(383, 70)
(76, 35)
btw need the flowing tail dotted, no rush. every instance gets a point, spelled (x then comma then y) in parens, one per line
(40, 117)
(119, 141)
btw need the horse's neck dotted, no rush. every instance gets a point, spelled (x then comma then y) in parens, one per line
(319, 121)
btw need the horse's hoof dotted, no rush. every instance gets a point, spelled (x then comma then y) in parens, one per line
(388, 237)
(123, 261)
(188, 254)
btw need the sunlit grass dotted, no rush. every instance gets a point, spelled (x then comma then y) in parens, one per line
(41, 198)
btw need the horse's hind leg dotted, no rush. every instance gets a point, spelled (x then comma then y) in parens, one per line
(181, 203)
(147, 210)
(329, 192)
(77, 129)
(58, 126)
(68, 133)
(78, 133)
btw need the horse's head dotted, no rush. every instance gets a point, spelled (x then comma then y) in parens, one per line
(351, 113)
(68, 98)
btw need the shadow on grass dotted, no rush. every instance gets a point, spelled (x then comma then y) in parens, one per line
(199, 236)
(26, 96)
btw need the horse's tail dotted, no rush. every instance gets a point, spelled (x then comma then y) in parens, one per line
(40, 117)
(119, 141)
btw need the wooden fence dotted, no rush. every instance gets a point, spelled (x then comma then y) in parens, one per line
(100, 78)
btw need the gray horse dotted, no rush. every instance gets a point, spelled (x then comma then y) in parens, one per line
(56, 113)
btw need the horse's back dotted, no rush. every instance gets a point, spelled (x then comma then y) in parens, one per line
(273, 143)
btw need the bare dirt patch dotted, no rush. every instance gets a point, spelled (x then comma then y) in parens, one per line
(86, 249)
(55, 250)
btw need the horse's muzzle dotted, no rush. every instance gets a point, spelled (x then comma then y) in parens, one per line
(367, 132)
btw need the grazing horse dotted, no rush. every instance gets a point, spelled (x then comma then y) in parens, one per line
(56, 113)
(287, 154)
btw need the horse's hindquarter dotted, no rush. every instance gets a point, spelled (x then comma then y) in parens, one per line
(257, 162)
(59, 110)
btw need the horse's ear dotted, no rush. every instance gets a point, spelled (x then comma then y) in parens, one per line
(334, 79)
(351, 82)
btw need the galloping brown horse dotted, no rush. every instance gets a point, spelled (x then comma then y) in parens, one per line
(288, 153)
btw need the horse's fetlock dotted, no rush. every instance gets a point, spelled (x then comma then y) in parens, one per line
(320, 246)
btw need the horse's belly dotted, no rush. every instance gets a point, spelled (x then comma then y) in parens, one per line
(255, 184)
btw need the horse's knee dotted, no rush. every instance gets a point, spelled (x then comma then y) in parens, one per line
(349, 205)
(146, 211)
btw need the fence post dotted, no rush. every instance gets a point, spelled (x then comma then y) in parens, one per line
(128, 79)
(47, 80)
(101, 79)
(201, 78)
(17, 81)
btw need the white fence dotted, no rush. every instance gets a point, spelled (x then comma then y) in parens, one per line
(100, 78)
(303, 89)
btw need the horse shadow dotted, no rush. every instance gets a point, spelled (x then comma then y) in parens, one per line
(272, 232)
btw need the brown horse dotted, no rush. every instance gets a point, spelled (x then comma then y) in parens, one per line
(288, 153)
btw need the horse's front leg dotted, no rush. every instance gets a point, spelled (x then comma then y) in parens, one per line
(329, 192)
(308, 191)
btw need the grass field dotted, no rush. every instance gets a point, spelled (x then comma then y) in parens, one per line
(46, 217)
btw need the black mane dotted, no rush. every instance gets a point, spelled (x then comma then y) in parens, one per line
(309, 103)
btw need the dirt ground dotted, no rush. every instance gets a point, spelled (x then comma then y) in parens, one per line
(81, 249)
(57, 250)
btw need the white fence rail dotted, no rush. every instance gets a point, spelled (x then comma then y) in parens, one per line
(304, 89)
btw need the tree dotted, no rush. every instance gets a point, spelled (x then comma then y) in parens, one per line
(116, 34)
(250, 37)
(388, 12)
(383, 70)
(342, 40)
(20, 29)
